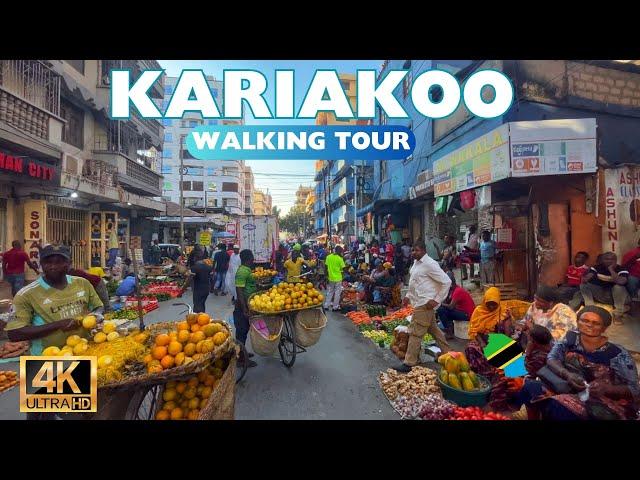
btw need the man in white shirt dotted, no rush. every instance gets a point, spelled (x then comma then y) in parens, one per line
(428, 288)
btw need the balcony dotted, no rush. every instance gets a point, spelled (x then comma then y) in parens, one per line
(29, 96)
(131, 175)
(153, 127)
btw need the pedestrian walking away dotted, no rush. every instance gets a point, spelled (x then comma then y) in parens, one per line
(335, 265)
(428, 287)
(202, 270)
(13, 261)
(221, 260)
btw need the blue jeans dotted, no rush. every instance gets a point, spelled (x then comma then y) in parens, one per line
(219, 281)
(633, 284)
(448, 315)
(16, 280)
(241, 323)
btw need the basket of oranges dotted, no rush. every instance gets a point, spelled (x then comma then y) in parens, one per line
(286, 297)
(179, 349)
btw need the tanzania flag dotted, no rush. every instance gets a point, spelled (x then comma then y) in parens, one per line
(506, 354)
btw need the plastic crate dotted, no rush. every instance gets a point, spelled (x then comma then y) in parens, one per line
(477, 398)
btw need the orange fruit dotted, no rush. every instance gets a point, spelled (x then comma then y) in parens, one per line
(183, 326)
(202, 376)
(203, 403)
(184, 404)
(206, 392)
(167, 361)
(169, 405)
(159, 352)
(197, 357)
(189, 349)
(154, 368)
(193, 414)
(174, 348)
(199, 346)
(169, 394)
(181, 387)
(147, 358)
(177, 414)
(203, 319)
(207, 346)
(173, 336)
(163, 415)
(183, 336)
(193, 382)
(180, 358)
(192, 318)
(309, 285)
(197, 337)
(195, 327)
(320, 297)
(163, 339)
(194, 403)
(209, 381)
(209, 330)
(189, 393)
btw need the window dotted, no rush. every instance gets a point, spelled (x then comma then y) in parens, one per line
(197, 186)
(406, 84)
(213, 187)
(212, 121)
(167, 122)
(167, 153)
(232, 172)
(166, 169)
(212, 202)
(382, 117)
(211, 171)
(192, 170)
(73, 130)
(166, 199)
(229, 187)
(168, 89)
(229, 202)
(186, 186)
(190, 202)
(77, 65)
(168, 138)
(215, 93)
(167, 186)
(346, 84)
(194, 123)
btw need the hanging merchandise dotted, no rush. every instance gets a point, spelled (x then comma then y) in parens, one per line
(506, 235)
(441, 205)
(468, 199)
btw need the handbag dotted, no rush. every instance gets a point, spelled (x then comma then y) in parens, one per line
(553, 381)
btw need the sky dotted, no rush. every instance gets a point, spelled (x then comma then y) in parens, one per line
(280, 178)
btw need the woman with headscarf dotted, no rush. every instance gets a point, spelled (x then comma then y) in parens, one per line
(586, 360)
(490, 316)
(547, 312)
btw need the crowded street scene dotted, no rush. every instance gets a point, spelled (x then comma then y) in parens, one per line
(492, 275)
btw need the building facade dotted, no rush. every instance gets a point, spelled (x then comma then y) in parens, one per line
(207, 185)
(249, 186)
(69, 173)
(261, 203)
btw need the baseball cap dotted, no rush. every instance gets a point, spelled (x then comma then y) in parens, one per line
(49, 250)
(236, 246)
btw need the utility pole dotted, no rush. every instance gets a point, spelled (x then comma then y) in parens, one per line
(181, 198)
(355, 200)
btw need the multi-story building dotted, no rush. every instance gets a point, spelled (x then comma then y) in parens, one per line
(261, 202)
(334, 190)
(301, 195)
(249, 185)
(214, 185)
(65, 163)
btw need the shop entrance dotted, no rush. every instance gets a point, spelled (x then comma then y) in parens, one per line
(68, 227)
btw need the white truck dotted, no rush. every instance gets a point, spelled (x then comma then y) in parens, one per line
(259, 233)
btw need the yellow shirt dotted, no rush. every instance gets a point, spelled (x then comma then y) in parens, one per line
(96, 271)
(294, 269)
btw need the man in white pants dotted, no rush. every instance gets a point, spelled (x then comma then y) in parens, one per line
(335, 265)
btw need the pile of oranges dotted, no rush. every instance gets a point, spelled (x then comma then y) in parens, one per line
(286, 296)
(195, 337)
(261, 272)
(185, 400)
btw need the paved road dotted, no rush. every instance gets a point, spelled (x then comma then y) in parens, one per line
(334, 379)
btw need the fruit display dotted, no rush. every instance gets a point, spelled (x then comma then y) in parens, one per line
(420, 381)
(123, 314)
(475, 413)
(261, 272)
(8, 379)
(184, 400)
(376, 310)
(13, 349)
(286, 296)
(456, 372)
(170, 289)
(363, 317)
(377, 336)
(193, 338)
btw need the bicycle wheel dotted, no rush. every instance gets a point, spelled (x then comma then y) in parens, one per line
(241, 368)
(144, 403)
(287, 345)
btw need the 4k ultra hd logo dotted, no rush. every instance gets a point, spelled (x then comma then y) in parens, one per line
(55, 384)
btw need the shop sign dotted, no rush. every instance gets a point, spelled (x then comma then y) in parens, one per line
(205, 239)
(481, 162)
(231, 228)
(622, 210)
(35, 222)
(423, 185)
(27, 168)
(553, 147)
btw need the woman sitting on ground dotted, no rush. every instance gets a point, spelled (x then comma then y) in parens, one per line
(547, 312)
(490, 316)
(380, 277)
(587, 356)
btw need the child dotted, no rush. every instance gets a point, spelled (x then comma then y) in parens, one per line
(537, 350)
(487, 259)
(574, 276)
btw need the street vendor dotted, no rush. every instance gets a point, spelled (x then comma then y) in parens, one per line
(294, 266)
(47, 310)
(548, 312)
(245, 287)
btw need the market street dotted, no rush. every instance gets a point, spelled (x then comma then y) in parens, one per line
(336, 379)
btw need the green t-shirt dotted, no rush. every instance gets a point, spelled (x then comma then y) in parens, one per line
(335, 265)
(38, 304)
(244, 279)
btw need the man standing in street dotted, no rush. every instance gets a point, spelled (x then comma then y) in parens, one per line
(230, 279)
(156, 253)
(201, 269)
(221, 260)
(245, 287)
(335, 265)
(428, 287)
(13, 266)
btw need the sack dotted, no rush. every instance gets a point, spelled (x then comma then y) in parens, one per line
(553, 381)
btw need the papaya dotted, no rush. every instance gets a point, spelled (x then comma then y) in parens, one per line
(454, 381)
(467, 384)
(474, 379)
(444, 376)
(443, 358)
(452, 365)
(464, 365)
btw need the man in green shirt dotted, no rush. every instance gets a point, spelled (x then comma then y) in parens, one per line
(47, 311)
(335, 265)
(245, 287)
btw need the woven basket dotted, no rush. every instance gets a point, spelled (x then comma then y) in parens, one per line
(175, 373)
(518, 308)
(309, 325)
(222, 402)
(263, 346)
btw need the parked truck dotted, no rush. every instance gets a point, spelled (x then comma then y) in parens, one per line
(259, 233)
